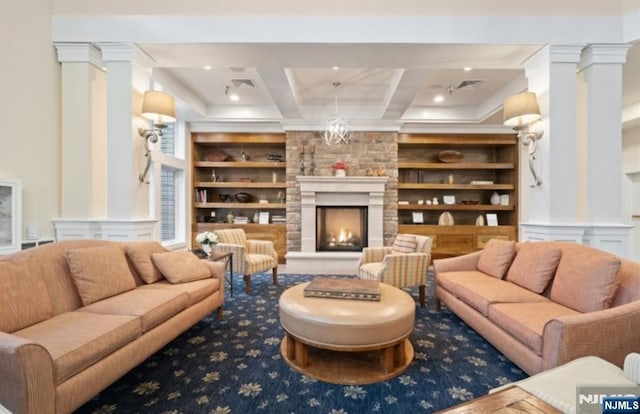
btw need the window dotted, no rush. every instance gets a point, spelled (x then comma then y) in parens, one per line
(169, 189)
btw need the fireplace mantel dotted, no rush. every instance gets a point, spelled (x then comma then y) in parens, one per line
(336, 191)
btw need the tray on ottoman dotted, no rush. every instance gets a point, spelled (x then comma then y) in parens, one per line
(343, 288)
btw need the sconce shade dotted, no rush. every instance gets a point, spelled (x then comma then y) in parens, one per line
(521, 110)
(159, 107)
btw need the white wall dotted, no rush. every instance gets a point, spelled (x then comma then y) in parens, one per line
(30, 109)
(631, 186)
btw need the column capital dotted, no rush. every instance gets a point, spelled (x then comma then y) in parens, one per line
(117, 51)
(79, 52)
(552, 54)
(603, 54)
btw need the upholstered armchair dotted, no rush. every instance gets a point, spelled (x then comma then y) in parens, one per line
(249, 256)
(405, 264)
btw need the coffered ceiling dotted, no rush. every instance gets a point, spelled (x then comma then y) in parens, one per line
(380, 84)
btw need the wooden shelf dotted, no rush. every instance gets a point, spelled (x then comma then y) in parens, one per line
(485, 157)
(457, 165)
(437, 186)
(238, 184)
(239, 164)
(455, 207)
(259, 206)
(257, 147)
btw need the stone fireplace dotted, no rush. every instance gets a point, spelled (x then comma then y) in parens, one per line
(346, 192)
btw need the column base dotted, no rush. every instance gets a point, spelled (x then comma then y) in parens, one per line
(612, 238)
(116, 230)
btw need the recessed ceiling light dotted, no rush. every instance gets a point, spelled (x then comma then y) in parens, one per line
(207, 67)
(467, 68)
(234, 97)
(438, 98)
(335, 68)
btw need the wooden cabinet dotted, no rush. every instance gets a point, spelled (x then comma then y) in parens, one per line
(250, 169)
(465, 170)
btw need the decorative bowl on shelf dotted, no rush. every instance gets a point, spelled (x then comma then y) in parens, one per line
(471, 202)
(243, 197)
(450, 156)
(223, 197)
(217, 155)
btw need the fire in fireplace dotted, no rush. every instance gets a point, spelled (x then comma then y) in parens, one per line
(341, 228)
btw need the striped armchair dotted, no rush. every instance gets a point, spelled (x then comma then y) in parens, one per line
(249, 256)
(405, 264)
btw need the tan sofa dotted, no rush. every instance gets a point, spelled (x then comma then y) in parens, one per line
(77, 315)
(544, 304)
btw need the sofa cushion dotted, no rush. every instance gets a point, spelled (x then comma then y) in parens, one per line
(497, 257)
(180, 266)
(404, 243)
(586, 280)
(77, 340)
(526, 321)
(451, 280)
(152, 306)
(24, 299)
(196, 290)
(139, 254)
(534, 266)
(480, 294)
(99, 272)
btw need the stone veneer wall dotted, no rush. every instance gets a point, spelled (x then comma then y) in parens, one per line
(366, 150)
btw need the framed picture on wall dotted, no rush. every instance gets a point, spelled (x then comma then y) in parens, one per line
(10, 215)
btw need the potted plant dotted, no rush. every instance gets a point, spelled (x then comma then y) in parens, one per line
(207, 239)
(340, 169)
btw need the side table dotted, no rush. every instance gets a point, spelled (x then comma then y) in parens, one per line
(228, 256)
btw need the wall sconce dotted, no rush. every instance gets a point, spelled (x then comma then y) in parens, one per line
(160, 108)
(520, 111)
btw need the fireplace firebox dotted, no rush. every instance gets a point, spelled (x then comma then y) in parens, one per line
(341, 228)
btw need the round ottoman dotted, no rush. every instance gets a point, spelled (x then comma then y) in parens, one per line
(347, 341)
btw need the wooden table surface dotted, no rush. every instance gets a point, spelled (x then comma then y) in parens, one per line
(510, 400)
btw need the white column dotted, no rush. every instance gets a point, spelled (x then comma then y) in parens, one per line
(550, 211)
(120, 198)
(83, 145)
(601, 68)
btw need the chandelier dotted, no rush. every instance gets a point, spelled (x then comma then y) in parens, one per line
(336, 129)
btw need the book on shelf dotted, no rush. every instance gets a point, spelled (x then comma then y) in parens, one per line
(343, 288)
(241, 220)
(481, 182)
(201, 196)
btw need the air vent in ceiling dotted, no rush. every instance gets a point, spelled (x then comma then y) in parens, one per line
(469, 84)
(243, 82)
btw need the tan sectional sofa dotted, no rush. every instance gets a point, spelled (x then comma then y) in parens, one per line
(546, 303)
(77, 315)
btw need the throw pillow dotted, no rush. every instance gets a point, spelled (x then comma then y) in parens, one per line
(180, 266)
(534, 266)
(586, 280)
(139, 254)
(24, 299)
(404, 243)
(99, 272)
(497, 257)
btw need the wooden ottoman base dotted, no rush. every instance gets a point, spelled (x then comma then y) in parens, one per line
(347, 365)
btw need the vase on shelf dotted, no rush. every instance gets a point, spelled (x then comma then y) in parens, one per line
(230, 217)
(495, 198)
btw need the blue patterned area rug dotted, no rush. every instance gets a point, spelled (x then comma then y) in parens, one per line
(234, 366)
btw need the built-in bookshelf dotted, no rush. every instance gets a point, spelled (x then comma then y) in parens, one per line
(239, 181)
(452, 177)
